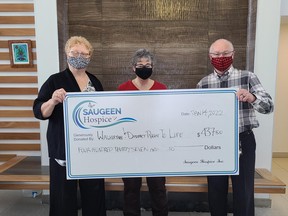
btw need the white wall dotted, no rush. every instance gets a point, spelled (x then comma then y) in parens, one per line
(265, 66)
(47, 53)
(280, 139)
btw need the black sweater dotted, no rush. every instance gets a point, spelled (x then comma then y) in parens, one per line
(55, 131)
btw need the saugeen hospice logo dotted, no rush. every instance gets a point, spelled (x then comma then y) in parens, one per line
(87, 115)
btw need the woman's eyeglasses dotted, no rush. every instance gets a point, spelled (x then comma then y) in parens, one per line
(77, 54)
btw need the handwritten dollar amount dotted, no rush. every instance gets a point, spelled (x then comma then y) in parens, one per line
(209, 131)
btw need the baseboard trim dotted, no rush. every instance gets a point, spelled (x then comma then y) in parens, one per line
(280, 154)
(263, 203)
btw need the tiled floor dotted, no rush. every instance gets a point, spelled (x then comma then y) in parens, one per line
(15, 203)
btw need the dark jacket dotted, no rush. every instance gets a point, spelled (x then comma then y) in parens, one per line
(55, 131)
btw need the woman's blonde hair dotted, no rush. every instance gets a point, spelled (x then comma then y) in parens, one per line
(72, 41)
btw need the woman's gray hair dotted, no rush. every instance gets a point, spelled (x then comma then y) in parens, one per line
(142, 53)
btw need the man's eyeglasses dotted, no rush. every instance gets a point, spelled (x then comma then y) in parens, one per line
(77, 54)
(224, 54)
(142, 66)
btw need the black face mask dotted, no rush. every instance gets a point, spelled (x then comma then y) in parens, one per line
(144, 73)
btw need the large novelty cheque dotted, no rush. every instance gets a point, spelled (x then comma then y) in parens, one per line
(151, 133)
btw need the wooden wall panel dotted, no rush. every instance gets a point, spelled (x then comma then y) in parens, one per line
(4, 68)
(6, 157)
(93, 11)
(16, 114)
(16, 102)
(6, 124)
(17, 32)
(17, 20)
(18, 79)
(150, 10)
(170, 43)
(19, 91)
(62, 15)
(20, 147)
(19, 136)
(17, 7)
(251, 34)
(179, 33)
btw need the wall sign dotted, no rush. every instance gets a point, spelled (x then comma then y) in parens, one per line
(20, 52)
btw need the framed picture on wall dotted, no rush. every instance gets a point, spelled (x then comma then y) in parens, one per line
(20, 52)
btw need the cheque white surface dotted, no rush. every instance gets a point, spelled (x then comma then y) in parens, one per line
(151, 133)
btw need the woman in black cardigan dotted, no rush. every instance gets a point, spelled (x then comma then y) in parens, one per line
(48, 105)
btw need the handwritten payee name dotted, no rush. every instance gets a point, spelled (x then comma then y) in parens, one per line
(148, 134)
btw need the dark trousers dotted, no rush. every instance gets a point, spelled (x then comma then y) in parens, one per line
(63, 194)
(157, 191)
(242, 184)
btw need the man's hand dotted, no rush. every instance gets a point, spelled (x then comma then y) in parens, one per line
(245, 96)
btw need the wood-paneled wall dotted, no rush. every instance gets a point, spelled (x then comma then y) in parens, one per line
(19, 130)
(178, 32)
